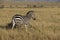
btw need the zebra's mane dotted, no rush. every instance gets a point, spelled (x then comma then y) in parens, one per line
(29, 12)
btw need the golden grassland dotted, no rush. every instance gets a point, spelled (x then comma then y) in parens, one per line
(46, 26)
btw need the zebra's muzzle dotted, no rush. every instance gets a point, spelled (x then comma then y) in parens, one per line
(34, 19)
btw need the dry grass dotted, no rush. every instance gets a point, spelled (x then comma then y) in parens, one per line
(46, 27)
(30, 4)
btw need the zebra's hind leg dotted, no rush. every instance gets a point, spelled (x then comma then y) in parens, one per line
(13, 24)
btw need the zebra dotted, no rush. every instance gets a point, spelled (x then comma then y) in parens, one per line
(23, 19)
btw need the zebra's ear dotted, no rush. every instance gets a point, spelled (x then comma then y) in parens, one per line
(30, 11)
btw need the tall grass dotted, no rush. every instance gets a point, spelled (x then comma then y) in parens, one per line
(46, 27)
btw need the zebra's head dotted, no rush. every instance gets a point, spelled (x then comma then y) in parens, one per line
(30, 14)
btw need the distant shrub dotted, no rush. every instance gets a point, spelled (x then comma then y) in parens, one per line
(11, 6)
(1, 6)
(34, 6)
(41, 6)
(28, 6)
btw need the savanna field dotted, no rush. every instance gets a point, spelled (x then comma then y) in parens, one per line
(45, 27)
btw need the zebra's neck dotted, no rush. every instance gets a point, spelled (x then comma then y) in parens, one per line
(29, 16)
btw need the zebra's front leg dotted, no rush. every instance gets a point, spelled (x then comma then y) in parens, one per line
(26, 27)
(13, 24)
(29, 25)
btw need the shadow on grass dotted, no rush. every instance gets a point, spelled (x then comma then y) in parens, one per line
(1, 26)
(7, 26)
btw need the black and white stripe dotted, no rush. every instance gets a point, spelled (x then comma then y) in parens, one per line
(22, 19)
